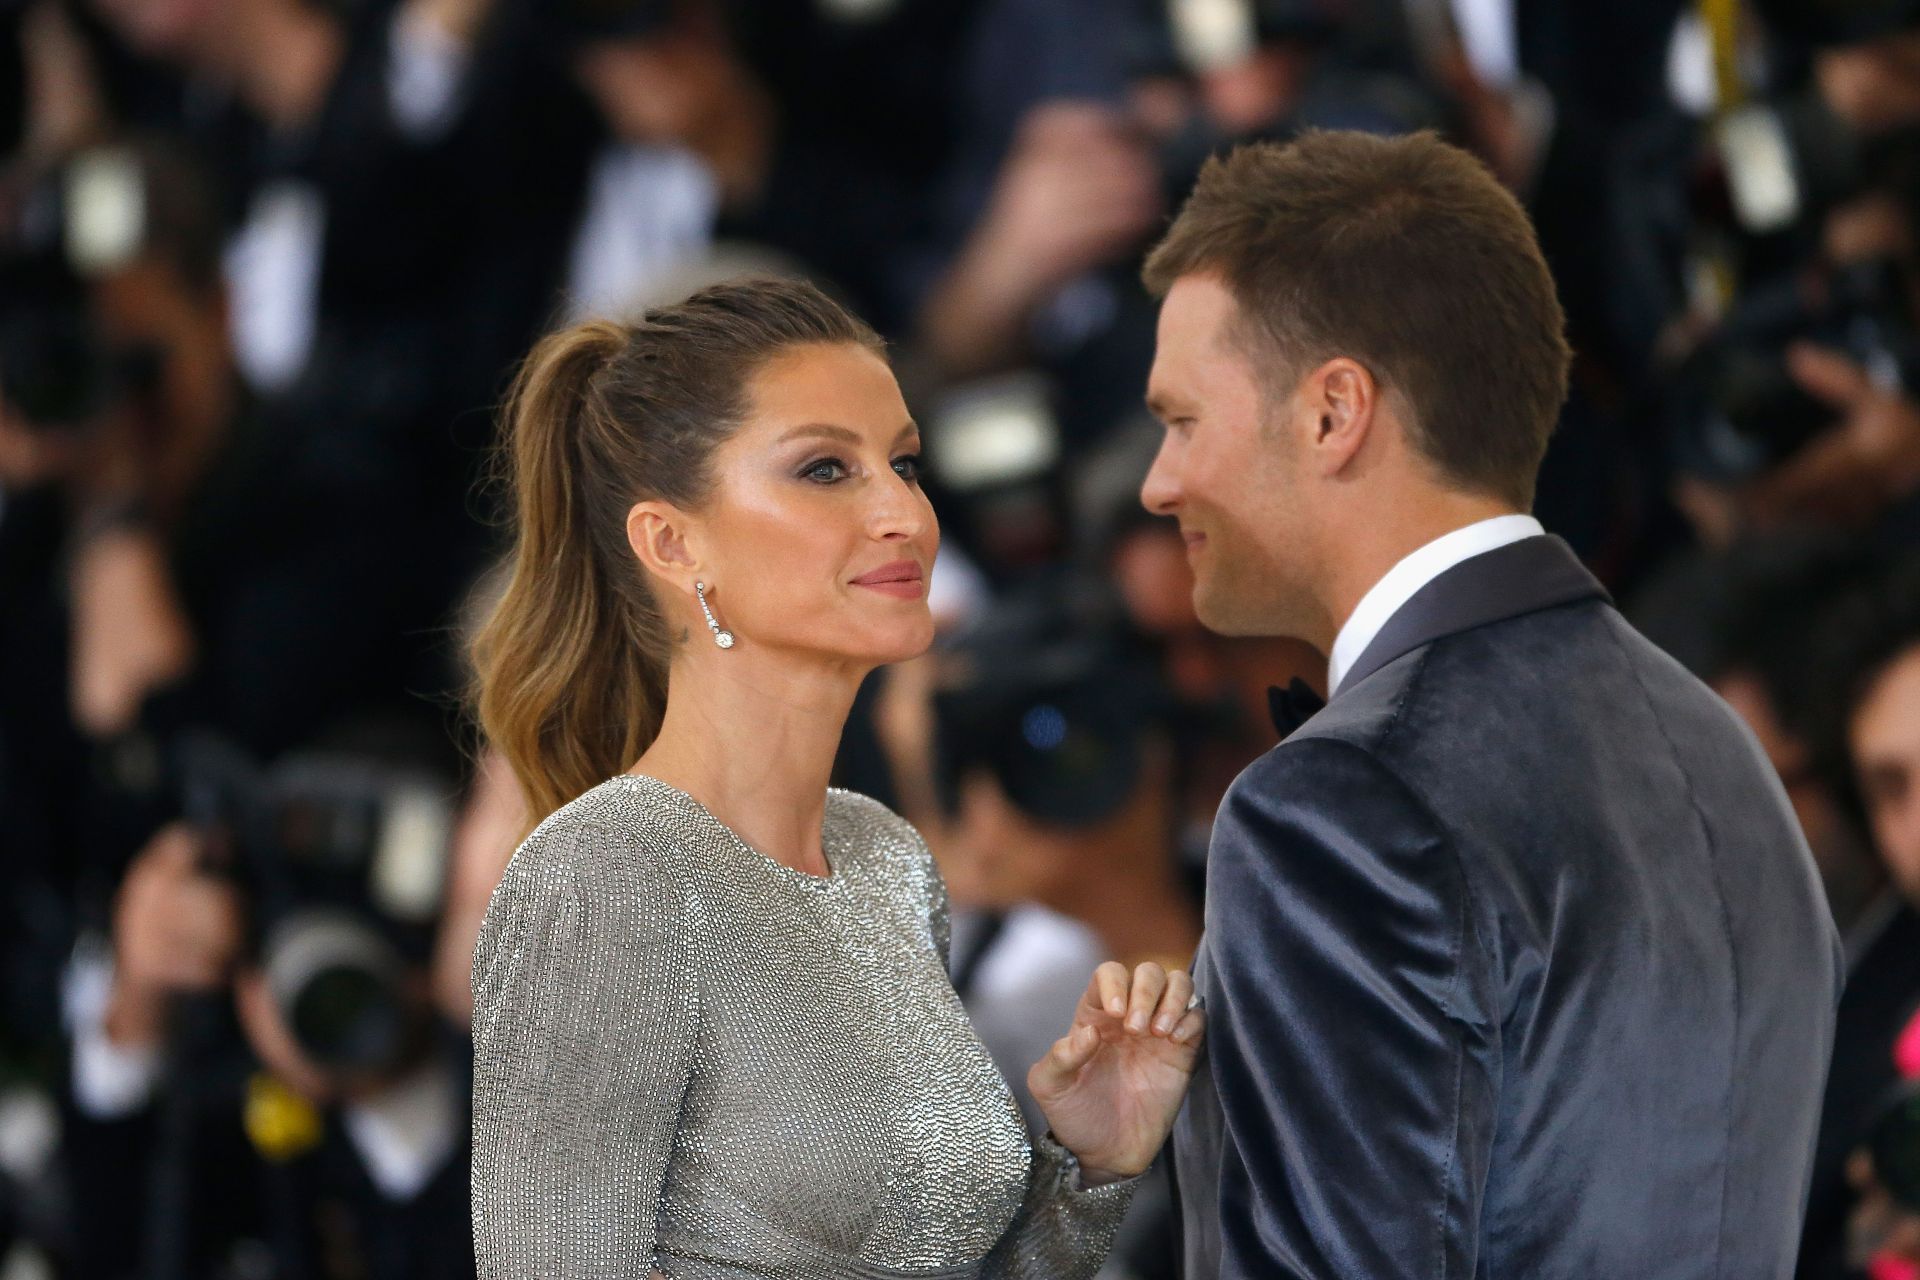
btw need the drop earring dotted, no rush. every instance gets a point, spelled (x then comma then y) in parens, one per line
(720, 637)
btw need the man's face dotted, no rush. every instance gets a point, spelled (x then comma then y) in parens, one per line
(1226, 468)
(1884, 737)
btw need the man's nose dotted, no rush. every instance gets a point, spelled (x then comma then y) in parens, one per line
(1160, 491)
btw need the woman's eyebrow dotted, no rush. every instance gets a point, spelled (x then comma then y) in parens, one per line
(832, 432)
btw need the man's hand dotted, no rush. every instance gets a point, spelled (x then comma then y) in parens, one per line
(175, 929)
(1879, 1228)
(1846, 475)
(1079, 189)
(130, 634)
(1867, 460)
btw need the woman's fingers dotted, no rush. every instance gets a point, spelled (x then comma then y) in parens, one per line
(1149, 984)
(1148, 999)
(1069, 1053)
(1174, 1003)
(1110, 982)
(1190, 1028)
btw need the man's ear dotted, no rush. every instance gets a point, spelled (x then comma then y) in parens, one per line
(660, 535)
(1344, 400)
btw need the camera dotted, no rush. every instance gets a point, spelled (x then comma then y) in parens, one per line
(1741, 411)
(341, 858)
(57, 371)
(1046, 693)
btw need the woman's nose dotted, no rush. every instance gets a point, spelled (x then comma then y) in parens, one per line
(899, 511)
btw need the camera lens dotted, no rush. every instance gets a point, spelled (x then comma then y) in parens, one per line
(338, 985)
(1068, 757)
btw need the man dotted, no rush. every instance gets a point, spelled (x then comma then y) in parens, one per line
(1867, 671)
(1515, 962)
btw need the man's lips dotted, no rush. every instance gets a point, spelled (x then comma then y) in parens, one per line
(1193, 539)
(901, 578)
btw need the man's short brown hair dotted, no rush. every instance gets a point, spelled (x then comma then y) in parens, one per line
(1403, 253)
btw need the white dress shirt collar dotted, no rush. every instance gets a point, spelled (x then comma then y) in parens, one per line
(1412, 573)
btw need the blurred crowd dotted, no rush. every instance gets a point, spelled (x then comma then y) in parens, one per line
(267, 265)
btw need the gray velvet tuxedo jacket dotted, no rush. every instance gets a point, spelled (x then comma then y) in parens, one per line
(1516, 965)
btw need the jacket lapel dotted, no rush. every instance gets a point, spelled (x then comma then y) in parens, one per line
(1519, 578)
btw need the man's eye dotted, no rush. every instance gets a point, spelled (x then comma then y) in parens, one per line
(824, 470)
(907, 467)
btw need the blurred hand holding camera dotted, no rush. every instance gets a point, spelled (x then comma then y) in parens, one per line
(1080, 188)
(1869, 458)
(175, 929)
(273, 1042)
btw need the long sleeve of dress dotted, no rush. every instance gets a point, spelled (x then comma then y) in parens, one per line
(1063, 1231)
(585, 1007)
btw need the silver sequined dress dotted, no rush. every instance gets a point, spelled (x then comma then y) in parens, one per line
(691, 1058)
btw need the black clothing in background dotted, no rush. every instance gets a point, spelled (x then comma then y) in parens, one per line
(866, 128)
(1882, 996)
(313, 1215)
(441, 257)
(44, 767)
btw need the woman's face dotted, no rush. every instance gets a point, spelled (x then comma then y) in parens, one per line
(818, 537)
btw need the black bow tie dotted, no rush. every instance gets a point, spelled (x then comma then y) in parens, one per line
(1292, 706)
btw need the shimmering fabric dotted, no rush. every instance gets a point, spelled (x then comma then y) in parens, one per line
(689, 1057)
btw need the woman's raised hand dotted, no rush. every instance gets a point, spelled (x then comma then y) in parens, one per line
(1113, 1084)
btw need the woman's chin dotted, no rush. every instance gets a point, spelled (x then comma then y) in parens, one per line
(902, 643)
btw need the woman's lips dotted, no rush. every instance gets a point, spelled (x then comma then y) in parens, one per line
(902, 579)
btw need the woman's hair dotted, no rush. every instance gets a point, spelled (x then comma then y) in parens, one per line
(569, 676)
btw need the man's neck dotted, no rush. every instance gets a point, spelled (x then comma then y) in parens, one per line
(1368, 550)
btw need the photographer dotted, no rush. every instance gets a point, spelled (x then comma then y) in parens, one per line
(256, 1067)
(1871, 679)
(229, 569)
(228, 562)
(1082, 124)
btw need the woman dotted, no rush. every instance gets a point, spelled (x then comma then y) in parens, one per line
(713, 1030)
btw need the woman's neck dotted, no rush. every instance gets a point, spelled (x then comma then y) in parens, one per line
(754, 742)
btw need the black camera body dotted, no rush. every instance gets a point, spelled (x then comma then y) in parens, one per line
(1742, 412)
(1046, 694)
(58, 371)
(341, 859)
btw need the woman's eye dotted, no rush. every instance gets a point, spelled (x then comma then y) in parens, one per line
(825, 470)
(908, 467)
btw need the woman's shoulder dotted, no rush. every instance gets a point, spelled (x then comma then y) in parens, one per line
(867, 817)
(600, 837)
(880, 836)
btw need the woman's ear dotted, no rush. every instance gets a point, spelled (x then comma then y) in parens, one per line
(659, 532)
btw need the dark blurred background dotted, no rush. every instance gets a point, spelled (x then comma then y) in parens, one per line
(266, 266)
